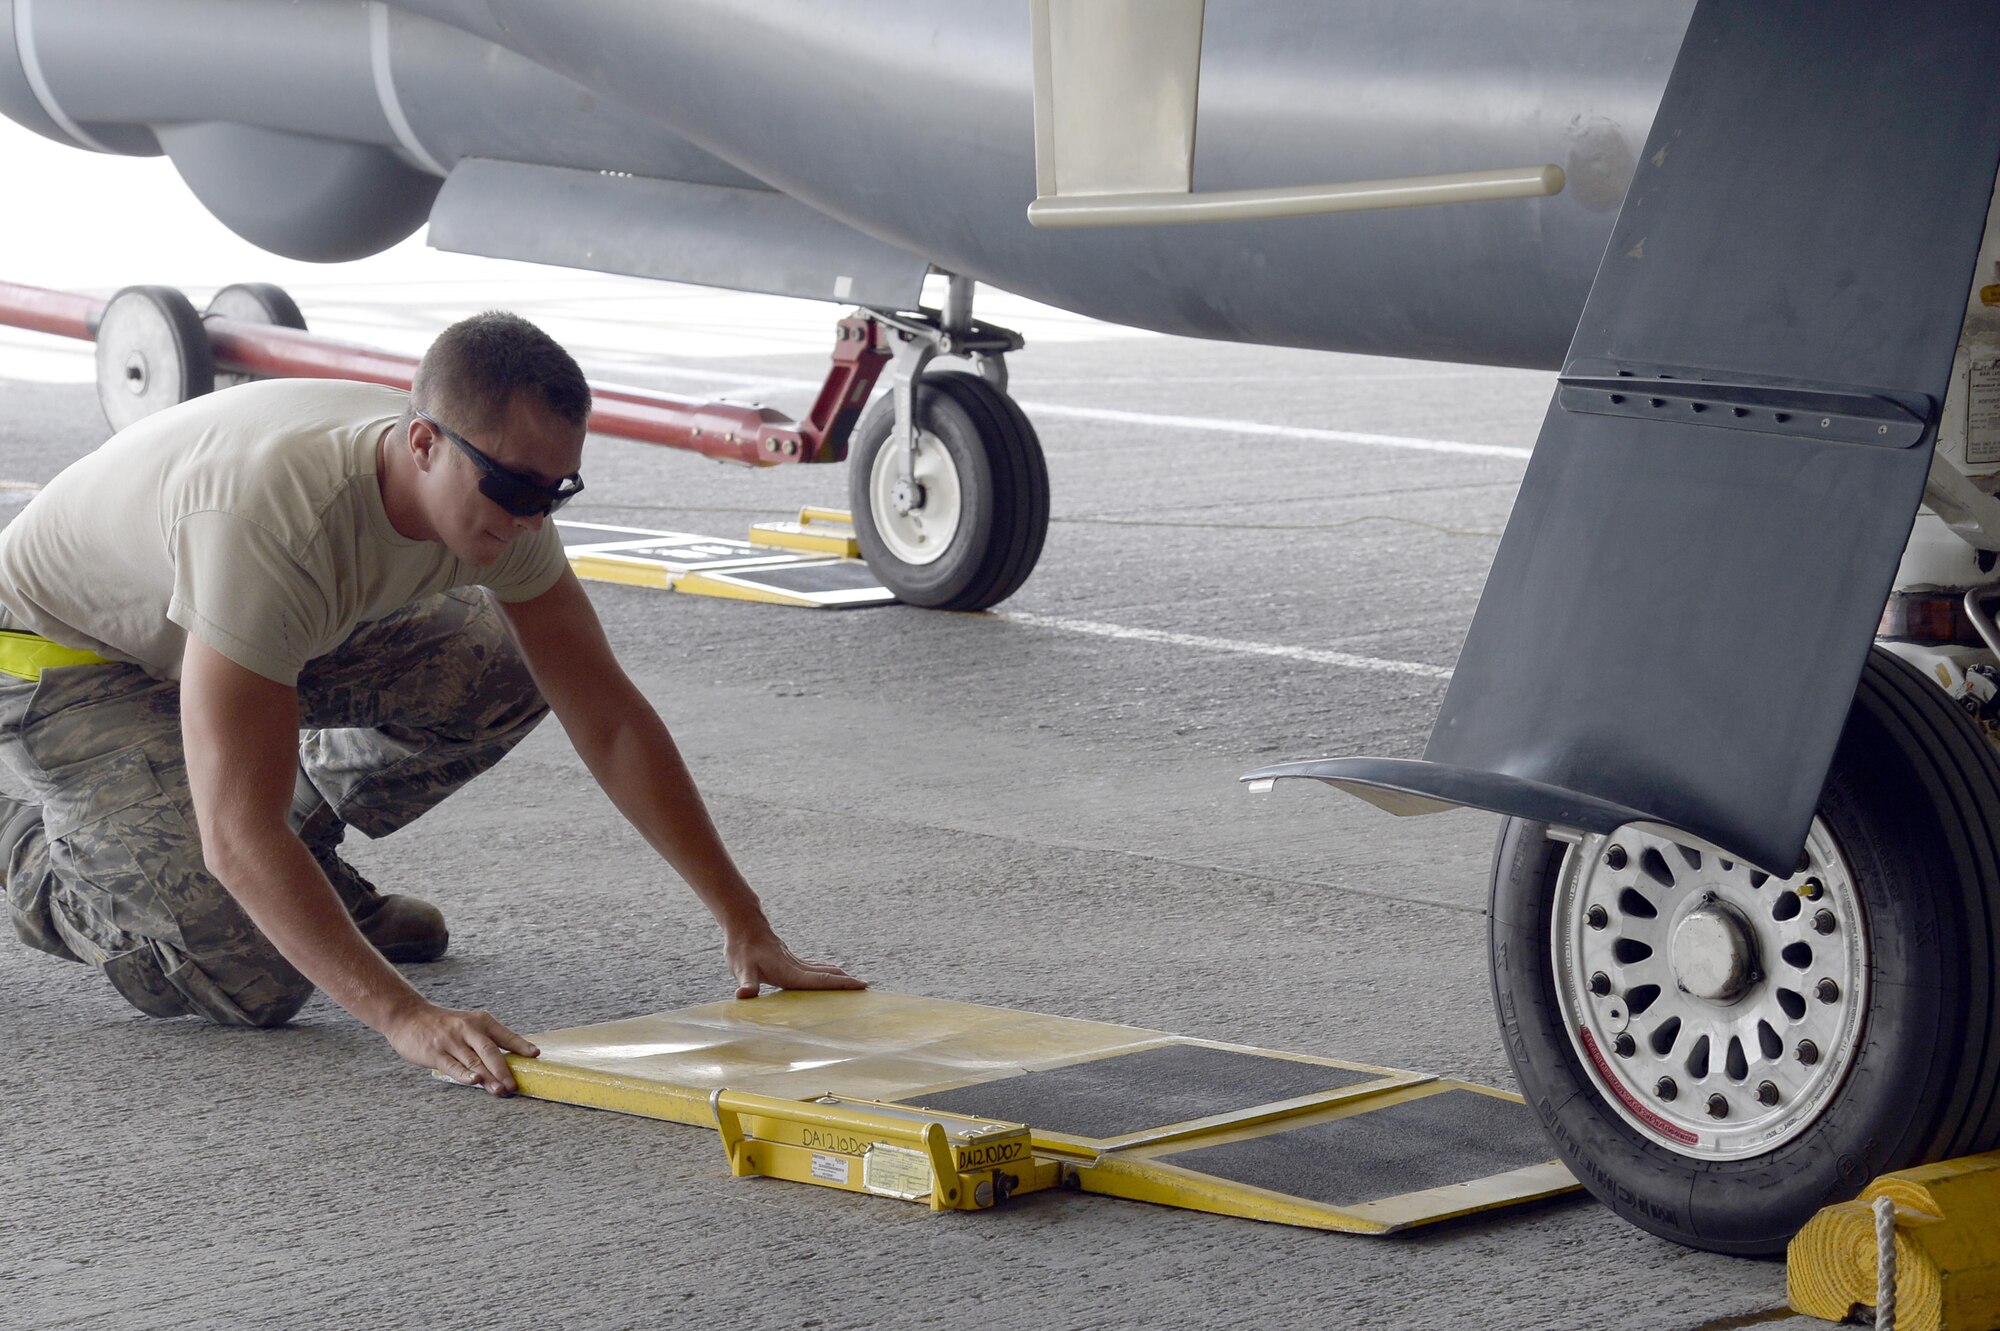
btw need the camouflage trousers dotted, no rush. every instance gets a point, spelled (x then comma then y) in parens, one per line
(102, 860)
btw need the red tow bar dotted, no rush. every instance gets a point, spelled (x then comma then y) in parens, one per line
(730, 432)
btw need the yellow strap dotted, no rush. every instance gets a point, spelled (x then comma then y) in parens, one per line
(27, 655)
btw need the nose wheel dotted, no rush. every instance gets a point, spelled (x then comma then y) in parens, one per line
(963, 529)
(916, 518)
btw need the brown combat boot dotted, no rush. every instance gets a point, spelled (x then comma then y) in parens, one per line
(402, 928)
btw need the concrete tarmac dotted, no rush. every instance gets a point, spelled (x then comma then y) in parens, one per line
(1035, 807)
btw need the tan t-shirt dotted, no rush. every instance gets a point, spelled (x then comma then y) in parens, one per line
(251, 518)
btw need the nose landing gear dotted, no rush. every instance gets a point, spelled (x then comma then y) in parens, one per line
(948, 488)
(946, 480)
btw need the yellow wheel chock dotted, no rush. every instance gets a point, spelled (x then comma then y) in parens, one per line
(1946, 1255)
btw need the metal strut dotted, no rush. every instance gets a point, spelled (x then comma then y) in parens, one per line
(924, 335)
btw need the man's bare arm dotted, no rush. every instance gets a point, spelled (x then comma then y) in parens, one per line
(627, 748)
(241, 734)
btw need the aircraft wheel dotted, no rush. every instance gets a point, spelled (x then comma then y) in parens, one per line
(253, 303)
(151, 353)
(971, 533)
(1718, 1054)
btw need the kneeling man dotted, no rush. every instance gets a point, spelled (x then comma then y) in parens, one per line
(259, 618)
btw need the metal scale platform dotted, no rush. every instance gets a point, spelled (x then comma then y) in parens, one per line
(963, 1106)
(814, 562)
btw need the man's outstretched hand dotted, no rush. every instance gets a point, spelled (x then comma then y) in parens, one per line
(468, 1047)
(764, 959)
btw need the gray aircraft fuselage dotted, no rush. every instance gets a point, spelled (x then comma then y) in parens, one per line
(321, 128)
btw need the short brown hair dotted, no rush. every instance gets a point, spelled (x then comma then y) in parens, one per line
(476, 366)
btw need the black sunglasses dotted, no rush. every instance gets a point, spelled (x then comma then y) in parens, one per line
(520, 494)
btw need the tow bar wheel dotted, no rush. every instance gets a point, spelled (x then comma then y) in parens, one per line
(1718, 1052)
(967, 533)
(151, 353)
(253, 303)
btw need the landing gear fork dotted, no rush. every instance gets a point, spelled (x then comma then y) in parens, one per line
(922, 337)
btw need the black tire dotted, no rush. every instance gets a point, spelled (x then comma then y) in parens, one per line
(1004, 495)
(253, 303)
(1911, 801)
(152, 352)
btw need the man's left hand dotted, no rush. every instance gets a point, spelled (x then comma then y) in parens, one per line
(764, 959)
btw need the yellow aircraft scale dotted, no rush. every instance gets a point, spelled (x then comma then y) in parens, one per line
(813, 563)
(963, 1106)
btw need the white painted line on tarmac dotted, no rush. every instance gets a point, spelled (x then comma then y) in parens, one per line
(1153, 420)
(1345, 660)
(1224, 426)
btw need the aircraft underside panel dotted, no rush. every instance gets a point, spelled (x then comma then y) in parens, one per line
(710, 235)
(1677, 615)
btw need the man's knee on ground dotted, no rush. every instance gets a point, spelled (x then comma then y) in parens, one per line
(273, 1007)
(265, 1000)
(253, 996)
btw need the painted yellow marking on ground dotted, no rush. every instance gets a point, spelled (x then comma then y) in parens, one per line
(868, 1092)
(1947, 1249)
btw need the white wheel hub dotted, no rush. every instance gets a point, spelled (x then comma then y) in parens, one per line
(1717, 1009)
(139, 360)
(1713, 954)
(922, 529)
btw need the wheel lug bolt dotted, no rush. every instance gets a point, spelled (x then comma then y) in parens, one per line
(1624, 1046)
(1718, 1107)
(1823, 922)
(1615, 857)
(1600, 984)
(1767, 1093)
(1828, 991)
(1808, 1052)
(1813, 890)
(1596, 917)
(1665, 1088)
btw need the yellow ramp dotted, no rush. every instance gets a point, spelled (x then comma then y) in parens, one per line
(964, 1106)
